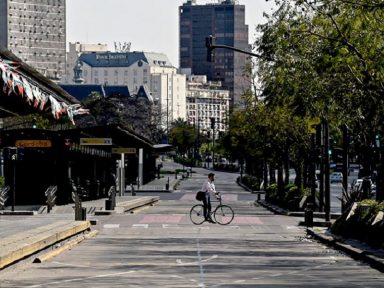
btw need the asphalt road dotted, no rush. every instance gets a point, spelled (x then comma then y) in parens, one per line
(160, 247)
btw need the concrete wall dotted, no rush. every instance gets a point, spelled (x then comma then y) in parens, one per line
(3, 23)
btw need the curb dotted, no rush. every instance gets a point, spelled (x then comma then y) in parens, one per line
(46, 256)
(354, 252)
(24, 244)
(129, 205)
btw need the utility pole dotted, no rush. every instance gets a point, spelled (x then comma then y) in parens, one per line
(345, 164)
(327, 172)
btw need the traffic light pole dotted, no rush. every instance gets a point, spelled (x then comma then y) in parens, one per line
(236, 49)
(211, 45)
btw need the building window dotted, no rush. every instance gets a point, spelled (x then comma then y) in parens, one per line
(105, 72)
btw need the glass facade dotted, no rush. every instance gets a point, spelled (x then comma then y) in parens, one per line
(225, 21)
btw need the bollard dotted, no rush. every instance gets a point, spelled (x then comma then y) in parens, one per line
(308, 215)
(83, 213)
(108, 204)
(133, 192)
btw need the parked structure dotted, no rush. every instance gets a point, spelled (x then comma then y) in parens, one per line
(225, 21)
(35, 31)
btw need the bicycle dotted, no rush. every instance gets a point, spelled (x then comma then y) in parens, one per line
(222, 214)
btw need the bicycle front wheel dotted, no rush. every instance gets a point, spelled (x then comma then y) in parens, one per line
(197, 214)
(223, 214)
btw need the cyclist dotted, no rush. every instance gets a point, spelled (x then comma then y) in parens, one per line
(208, 188)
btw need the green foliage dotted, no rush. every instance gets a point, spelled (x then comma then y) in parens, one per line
(271, 193)
(2, 181)
(360, 225)
(253, 183)
(325, 58)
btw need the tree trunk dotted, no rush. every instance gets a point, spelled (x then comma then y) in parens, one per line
(265, 173)
(272, 175)
(299, 176)
(286, 169)
(280, 181)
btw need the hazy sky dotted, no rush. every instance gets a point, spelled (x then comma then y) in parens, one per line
(150, 25)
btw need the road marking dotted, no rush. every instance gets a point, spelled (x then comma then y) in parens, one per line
(180, 262)
(161, 219)
(71, 265)
(79, 279)
(165, 226)
(201, 284)
(291, 227)
(140, 225)
(111, 226)
(246, 220)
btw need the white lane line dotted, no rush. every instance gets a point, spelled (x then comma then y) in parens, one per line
(180, 262)
(140, 225)
(79, 279)
(111, 226)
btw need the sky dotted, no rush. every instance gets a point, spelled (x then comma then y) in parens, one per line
(150, 25)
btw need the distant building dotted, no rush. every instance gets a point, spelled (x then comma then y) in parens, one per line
(207, 100)
(75, 50)
(35, 31)
(226, 21)
(133, 69)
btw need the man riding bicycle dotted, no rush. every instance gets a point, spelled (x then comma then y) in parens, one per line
(208, 188)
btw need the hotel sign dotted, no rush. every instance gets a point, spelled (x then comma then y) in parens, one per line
(111, 56)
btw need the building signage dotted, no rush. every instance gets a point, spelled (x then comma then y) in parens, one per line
(95, 141)
(34, 143)
(124, 150)
(111, 56)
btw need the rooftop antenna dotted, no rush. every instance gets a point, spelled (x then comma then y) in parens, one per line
(122, 47)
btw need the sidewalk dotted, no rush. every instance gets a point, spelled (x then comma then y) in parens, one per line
(24, 234)
(354, 248)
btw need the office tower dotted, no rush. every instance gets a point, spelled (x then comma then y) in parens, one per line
(226, 21)
(34, 31)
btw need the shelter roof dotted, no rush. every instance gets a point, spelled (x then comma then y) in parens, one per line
(24, 90)
(82, 91)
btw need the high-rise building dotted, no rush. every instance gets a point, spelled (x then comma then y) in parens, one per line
(35, 31)
(225, 21)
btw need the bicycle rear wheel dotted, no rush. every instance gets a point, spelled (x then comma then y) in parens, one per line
(223, 214)
(197, 214)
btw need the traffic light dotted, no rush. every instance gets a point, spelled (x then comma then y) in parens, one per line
(210, 43)
(34, 123)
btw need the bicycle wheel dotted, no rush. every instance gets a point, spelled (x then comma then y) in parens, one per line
(223, 214)
(197, 214)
